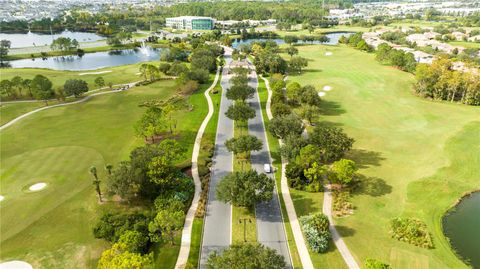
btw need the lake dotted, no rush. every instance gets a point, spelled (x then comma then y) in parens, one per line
(333, 39)
(32, 39)
(91, 61)
(462, 227)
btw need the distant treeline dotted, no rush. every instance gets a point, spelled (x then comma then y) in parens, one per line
(111, 21)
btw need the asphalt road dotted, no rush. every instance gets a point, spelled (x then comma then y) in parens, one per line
(217, 226)
(270, 228)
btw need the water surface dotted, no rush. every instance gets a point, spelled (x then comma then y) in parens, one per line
(333, 39)
(32, 39)
(91, 61)
(462, 226)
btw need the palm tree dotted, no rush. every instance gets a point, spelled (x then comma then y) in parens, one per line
(96, 182)
(109, 167)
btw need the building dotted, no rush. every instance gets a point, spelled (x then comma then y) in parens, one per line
(190, 23)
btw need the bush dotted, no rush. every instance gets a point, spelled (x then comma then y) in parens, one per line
(412, 231)
(112, 226)
(315, 229)
(188, 88)
(376, 264)
(295, 177)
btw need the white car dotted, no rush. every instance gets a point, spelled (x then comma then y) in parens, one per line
(267, 168)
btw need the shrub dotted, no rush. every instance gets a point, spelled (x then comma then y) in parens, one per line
(412, 231)
(315, 229)
(112, 226)
(376, 264)
(341, 203)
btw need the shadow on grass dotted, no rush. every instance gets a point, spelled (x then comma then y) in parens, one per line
(365, 158)
(303, 204)
(345, 231)
(331, 108)
(372, 186)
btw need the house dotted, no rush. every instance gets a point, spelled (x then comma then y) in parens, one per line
(459, 35)
(422, 57)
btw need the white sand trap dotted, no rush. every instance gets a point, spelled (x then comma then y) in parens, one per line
(15, 265)
(138, 73)
(328, 53)
(95, 73)
(2, 198)
(38, 186)
(327, 88)
(321, 94)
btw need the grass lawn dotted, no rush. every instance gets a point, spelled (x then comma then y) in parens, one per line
(53, 228)
(466, 44)
(10, 111)
(418, 156)
(240, 230)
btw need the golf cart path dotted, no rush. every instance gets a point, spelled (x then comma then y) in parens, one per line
(182, 258)
(86, 98)
(292, 215)
(337, 239)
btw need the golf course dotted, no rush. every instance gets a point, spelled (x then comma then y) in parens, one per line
(416, 156)
(52, 227)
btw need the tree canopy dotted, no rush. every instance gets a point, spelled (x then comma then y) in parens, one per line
(246, 256)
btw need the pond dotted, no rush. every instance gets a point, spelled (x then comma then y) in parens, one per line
(333, 39)
(32, 39)
(91, 61)
(462, 227)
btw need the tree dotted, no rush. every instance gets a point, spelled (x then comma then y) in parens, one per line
(291, 50)
(75, 87)
(96, 182)
(6, 88)
(376, 264)
(64, 44)
(280, 109)
(240, 92)
(332, 142)
(42, 88)
(294, 91)
(17, 83)
(283, 126)
(292, 144)
(343, 171)
(109, 168)
(164, 67)
(4, 48)
(166, 222)
(240, 112)
(150, 124)
(100, 82)
(123, 181)
(297, 63)
(309, 96)
(246, 256)
(310, 112)
(161, 169)
(308, 155)
(135, 241)
(118, 258)
(203, 58)
(177, 68)
(245, 188)
(289, 39)
(243, 144)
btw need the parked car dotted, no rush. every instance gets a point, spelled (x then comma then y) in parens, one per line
(267, 168)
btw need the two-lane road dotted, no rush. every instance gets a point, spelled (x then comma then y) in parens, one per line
(270, 227)
(217, 226)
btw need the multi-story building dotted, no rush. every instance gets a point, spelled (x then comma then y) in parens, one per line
(191, 23)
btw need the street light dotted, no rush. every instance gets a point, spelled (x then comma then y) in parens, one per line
(244, 220)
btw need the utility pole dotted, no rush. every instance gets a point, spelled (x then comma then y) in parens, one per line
(244, 220)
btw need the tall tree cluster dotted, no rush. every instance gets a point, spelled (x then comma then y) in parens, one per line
(440, 82)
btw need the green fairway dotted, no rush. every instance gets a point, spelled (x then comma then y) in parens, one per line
(53, 228)
(417, 156)
(465, 44)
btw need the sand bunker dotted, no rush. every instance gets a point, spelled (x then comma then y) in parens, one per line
(327, 88)
(15, 265)
(38, 186)
(321, 94)
(95, 73)
(2, 197)
(328, 53)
